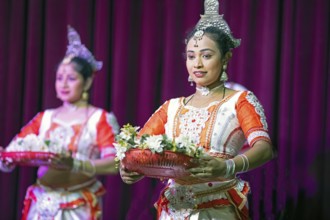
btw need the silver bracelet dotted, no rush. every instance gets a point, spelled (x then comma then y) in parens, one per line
(230, 168)
(243, 160)
(246, 162)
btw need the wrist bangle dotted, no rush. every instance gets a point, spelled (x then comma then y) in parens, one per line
(230, 168)
(245, 161)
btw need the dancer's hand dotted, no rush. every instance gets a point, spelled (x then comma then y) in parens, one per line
(6, 165)
(208, 167)
(62, 161)
(127, 176)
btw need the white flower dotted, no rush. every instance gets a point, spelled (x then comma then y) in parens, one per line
(124, 135)
(137, 142)
(120, 154)
(183, 140)
(56, 148)
(154, 143)
(31, 142)
(14, 146)
(127, 132)
(185, 144)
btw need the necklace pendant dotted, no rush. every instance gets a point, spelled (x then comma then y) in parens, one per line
(203, 90)
(206, 91)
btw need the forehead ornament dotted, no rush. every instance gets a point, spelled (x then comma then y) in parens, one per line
(212, 18)
(198, 35)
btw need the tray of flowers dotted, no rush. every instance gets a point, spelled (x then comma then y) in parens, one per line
(30, 151)
(155, 156)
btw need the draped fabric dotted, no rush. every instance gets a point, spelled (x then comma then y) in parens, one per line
(283, 58)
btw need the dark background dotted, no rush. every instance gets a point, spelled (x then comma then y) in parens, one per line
(283, 59)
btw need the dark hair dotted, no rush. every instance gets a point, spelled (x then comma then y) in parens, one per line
(82, 66)
(218, 36)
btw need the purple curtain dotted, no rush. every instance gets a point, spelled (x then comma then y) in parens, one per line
(283, 58)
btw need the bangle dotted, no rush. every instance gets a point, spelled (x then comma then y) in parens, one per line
(230, 168)
(245, 161)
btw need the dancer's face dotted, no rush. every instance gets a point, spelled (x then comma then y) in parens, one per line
(69, 83)
(204, 62)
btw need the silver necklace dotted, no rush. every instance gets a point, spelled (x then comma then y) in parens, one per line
(204, 90)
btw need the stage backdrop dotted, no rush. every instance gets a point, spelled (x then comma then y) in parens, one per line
(283, 59)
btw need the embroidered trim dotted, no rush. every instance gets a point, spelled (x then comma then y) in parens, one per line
(256, 134)
(252, 99)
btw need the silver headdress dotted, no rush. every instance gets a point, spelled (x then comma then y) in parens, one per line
(77, 49)
(212, 18)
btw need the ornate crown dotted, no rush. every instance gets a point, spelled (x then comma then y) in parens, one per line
(212, 18)
(77, 49)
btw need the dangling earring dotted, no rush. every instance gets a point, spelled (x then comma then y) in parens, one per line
(190, 79)
(85, 96)
(224, 76)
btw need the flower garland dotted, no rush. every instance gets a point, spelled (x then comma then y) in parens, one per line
(128, 139)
